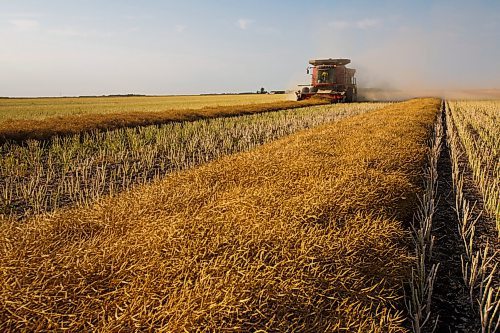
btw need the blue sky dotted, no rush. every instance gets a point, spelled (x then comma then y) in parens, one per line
(89, 47)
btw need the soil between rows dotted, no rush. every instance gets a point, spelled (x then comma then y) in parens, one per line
(450, 297)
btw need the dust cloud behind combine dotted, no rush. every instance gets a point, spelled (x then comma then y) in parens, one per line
(379, 94)
(398, 58)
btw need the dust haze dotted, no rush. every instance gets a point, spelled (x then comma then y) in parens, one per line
(452, 57)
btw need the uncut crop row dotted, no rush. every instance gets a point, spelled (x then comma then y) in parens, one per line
(43, 108)
(42, 176)
(45, 129)
(307, 233)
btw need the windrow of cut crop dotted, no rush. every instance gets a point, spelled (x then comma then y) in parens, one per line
(42, 176)
(306, 233)
(425, 270)
(22, 130)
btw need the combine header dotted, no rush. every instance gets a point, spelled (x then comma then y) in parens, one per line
(330, 80)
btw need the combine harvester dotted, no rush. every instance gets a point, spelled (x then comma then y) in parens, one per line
(330, 80)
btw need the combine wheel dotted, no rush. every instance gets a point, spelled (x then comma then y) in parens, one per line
(350, 95)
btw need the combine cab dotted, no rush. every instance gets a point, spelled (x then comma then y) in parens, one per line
(330, 80)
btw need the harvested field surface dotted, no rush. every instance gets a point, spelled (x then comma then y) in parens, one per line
(478, 127)
(467, 247)
(41, 108)
(22, 130)
(309, 233)
(451, 306)
(42, 176)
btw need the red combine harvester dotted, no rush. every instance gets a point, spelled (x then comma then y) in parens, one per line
(330, 80)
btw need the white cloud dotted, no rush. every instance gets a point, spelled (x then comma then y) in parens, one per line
(25, 24)
(368, 23)
(68, 32)
(244, 23)
(180, 28)
(137, 17)
(339, 25)
(82, 33)
(363, 24)
(20, 15)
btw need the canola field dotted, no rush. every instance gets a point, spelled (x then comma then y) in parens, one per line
(243, 213)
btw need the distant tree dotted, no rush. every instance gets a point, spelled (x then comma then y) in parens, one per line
(262, 90)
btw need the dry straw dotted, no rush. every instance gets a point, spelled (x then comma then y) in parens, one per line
(306, 233)
(78, 170)
(424, 272)
(473, 131)
(477, 126)
(44, 129)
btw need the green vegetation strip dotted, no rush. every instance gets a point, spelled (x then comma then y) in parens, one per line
(306, 233)
(22, 130)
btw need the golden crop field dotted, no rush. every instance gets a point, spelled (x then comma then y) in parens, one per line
(63, 125)
(42, 176)
(310, 232)
(236, 166)
(272, 216)
(41, 108)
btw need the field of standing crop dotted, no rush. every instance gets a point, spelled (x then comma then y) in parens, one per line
(19, 130)
(310, 232)
(41, 108)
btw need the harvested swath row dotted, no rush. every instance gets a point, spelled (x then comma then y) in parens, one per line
(424, 273)
(21, 130)
(40, 177)
(304, 233)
